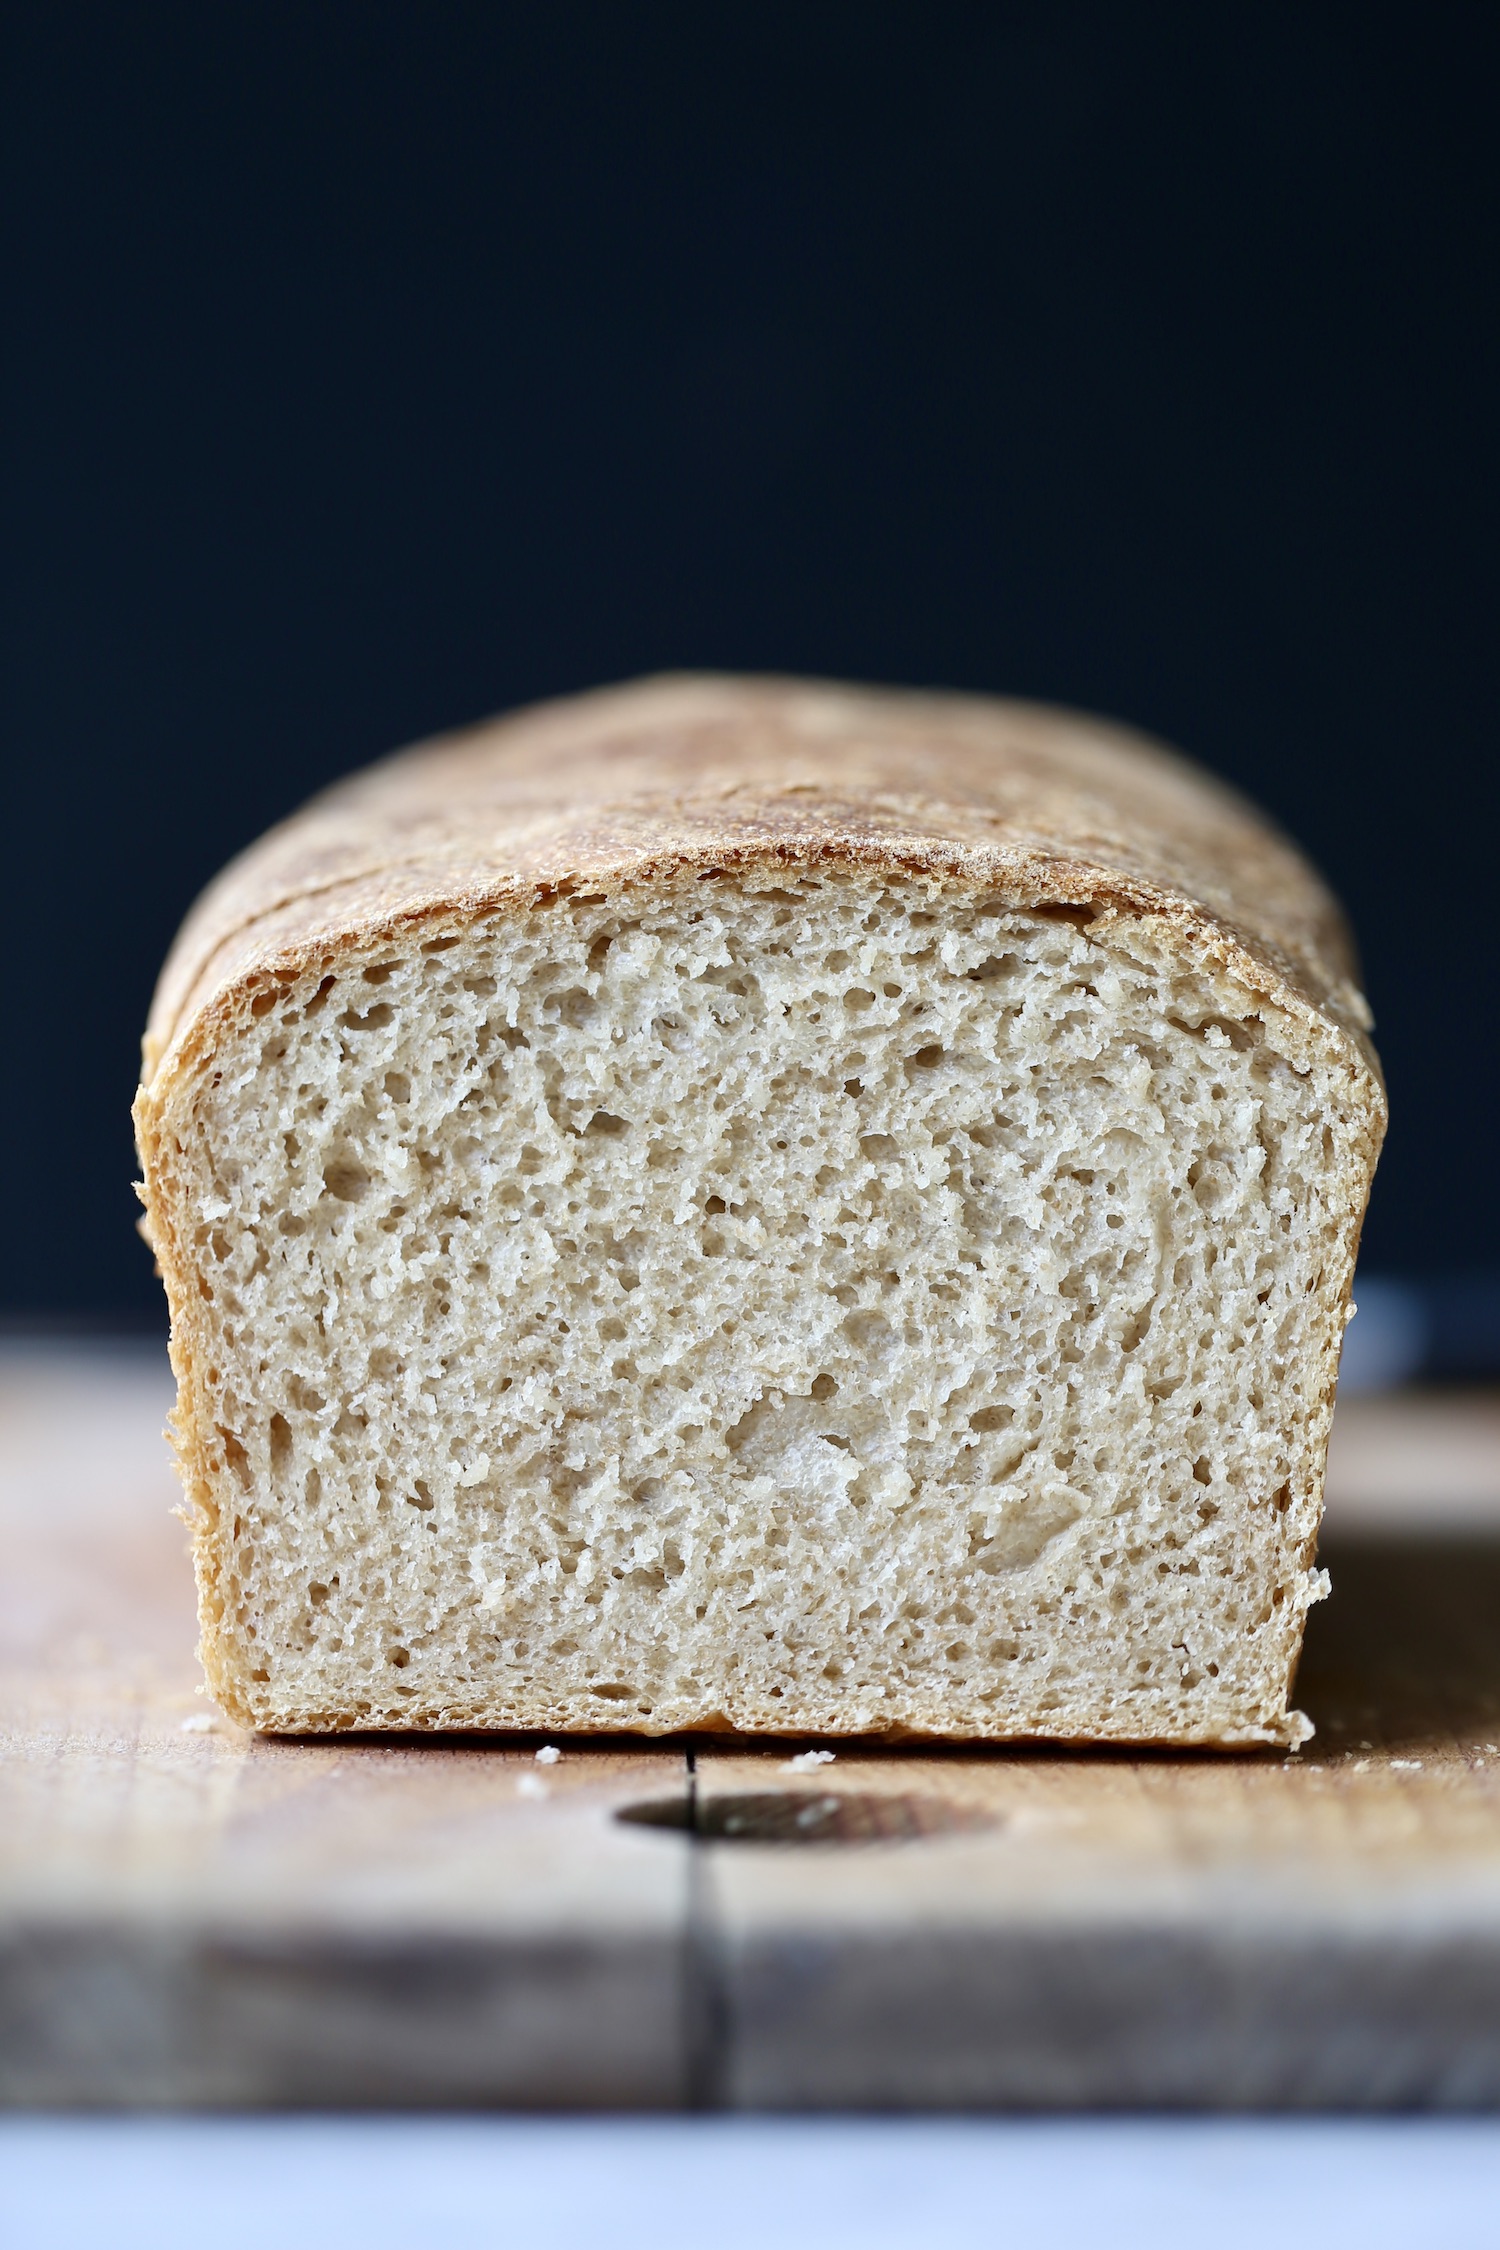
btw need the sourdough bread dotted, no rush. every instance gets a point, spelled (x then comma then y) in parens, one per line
(745, 1203)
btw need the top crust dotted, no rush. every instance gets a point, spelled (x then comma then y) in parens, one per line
(638, 782)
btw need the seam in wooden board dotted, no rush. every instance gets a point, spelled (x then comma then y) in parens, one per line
(705, 1995)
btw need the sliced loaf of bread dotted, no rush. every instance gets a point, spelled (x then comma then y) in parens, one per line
(753, 1204)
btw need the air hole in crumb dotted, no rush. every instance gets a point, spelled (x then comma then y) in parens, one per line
(992, 1418)
(400, 1657)
(346, 1178)
(1135, 1333)
(868, 1331)
(823, 1386)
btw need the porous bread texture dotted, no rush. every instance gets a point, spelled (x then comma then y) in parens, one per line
(808, 1299)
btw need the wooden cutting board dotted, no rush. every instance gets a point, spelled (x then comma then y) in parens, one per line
(192, 1915)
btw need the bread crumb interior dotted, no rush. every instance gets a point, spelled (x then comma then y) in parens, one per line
(808, 1302)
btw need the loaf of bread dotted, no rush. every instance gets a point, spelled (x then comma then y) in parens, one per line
(753, 1204)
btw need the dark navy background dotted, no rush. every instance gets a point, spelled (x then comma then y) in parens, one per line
(368, 368)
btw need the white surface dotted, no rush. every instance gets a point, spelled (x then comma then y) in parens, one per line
(554, 2184)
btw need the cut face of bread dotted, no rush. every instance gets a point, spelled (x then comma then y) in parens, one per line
(777, 1295)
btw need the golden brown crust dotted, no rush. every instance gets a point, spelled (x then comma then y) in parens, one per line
(630, 782)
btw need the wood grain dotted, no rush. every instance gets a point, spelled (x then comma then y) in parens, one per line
(192, 1915)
